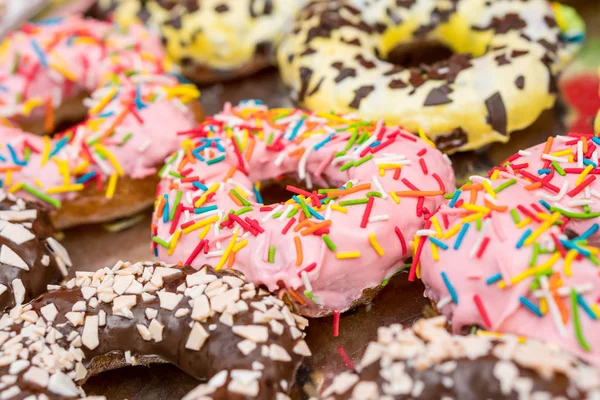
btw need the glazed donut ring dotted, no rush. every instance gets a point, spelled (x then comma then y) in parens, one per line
(105, 167)
(209, 324)
(501, 260)
(213, 40)
(329, 249)
(425, 362)
(503, 75)
(30, 257)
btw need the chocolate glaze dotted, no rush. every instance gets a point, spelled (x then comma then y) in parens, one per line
(31, 252)
(119, 335)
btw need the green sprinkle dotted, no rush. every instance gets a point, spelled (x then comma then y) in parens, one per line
(570, 214)
(385, 281)
(586, 209)
(351, 141)
(309, 295)
(42, 196)
(243, 210)
(353, 202)
(175, 204)
(505, 185)
(279, 214)
(594, 259)
(175, 174)
(293, 212)
(285, 114)
(558, 168)
(270, 139)
(160, 241)
(27, 153)
(272, 254)
(448, 196)
(515, 216)
(577, 323)
(329, 243)
(478, 224)
(346, 166)
(363, 137)
(536, 252)
(13, 68)
(216, 160)
(237, 141)
(126, 139)
(339, 154)
(325, 191)
(240, 198)
(363, 160)
(374, 194)
(349, 185)
(304, 207)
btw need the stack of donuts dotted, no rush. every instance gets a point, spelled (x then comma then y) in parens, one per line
(509, 260)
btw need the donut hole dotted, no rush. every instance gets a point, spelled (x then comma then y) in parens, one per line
(417, 53)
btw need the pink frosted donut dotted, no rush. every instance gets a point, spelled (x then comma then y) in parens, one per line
(105, 167)
(497, 258)
(384, 184)
(566, 170)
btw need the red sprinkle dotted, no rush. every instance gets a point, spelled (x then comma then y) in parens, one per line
(482, 311)
(309, 268)
(175, 219)
(423, 166)
(440, 182)
(581, 186)
(402, 241)
(195, 252)
(367, 213)
(336, 323)
(287, 226)
(397, 172)
(413, 267)
(409, 184)
(483, 246)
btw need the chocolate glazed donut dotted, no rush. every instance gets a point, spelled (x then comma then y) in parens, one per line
(30, 258)
(210, 324)
(426, 362)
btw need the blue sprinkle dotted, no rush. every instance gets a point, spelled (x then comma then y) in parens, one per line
(106, 114)
(586, 307)
(86, 177)
(196, 153)
(257, 194)
(3, 88)
(296, 129)
(532, 307)
(375, 144)
(2, 158)
(50, 21)
(59, 145)
(461, 235)
(40, 53)
(573, 246)
(198, 185)
(256, 102)
(593, 229)
(523, 238)
(587, 162)
(14, 157)
(314, 213)
(323, 142)
(596, 140)
(166, 210)
(450, 288)
(219, 146)
(455, 197)
(493, 279)
(180, 78)
(204, 209)
(438, 243)
(139, 104)
(156, 251)
(545, 204)
(544, 171)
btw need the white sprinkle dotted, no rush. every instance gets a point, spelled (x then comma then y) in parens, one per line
(89, 336)
(256, 333)
(169, 300)
(18, 291)
(156, 330)
(9, 257)
(197, 337)
(16, 233)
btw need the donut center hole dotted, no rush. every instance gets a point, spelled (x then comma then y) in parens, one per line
(274, 191)
(416, 53)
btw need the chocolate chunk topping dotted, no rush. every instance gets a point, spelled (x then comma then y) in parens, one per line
(452, 140)
(222, 8)
(397, 84)
(256, 10)
(305, 77)
(364, 62)
(520, 82)
(405, 3)
(359, 94)
(496, 113)
(518, 53)
(393, 16)
(352, 42)
(502, 60)
(343, 72)
(550, 21)
(438, 96)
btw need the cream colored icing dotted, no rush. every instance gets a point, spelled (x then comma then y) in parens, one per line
(334, 282)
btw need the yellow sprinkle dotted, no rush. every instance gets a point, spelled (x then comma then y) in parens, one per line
(204, 232)
(531, 271)
(240, 245)
(339, 208)
(334, 118)
(520, 339)
(543, 306)
(210, 190)
(437, 227)
(583, 174)
(15, 187)
(472, 217)
(103, 101)
(593, 250)
(201, 223)
(227, 251)
(452, 231)
(524, 223)
(434, 252)
(423, 136)
(81, 167)
(543, 228)
(112, 185)
(187, 90)
(241, 191)
(38, 183)
(488, 188)
(31, 104)
(65, 188)
(257, 185)
(476, 208)
(595, 309)
(495, 175)
(9, 177)
(562, 153)
(348, 254)
(375, 244)
(381, 172)
(389, 166)
(111, 158)
(174, 241)
(394, 197)
(63, 71)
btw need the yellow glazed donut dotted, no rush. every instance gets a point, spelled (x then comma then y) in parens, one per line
(502, 76)
(213, 39)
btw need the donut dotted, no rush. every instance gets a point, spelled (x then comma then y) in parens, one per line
(213, 40)
(210, 324)
(426, 362)
(499, 257)
(330, 247)
(103, 168)
(563, 175)
(501, 77)
(30, 257)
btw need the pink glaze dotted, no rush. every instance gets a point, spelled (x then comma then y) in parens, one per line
(564, 151)
(468, 268)
(335, 282)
